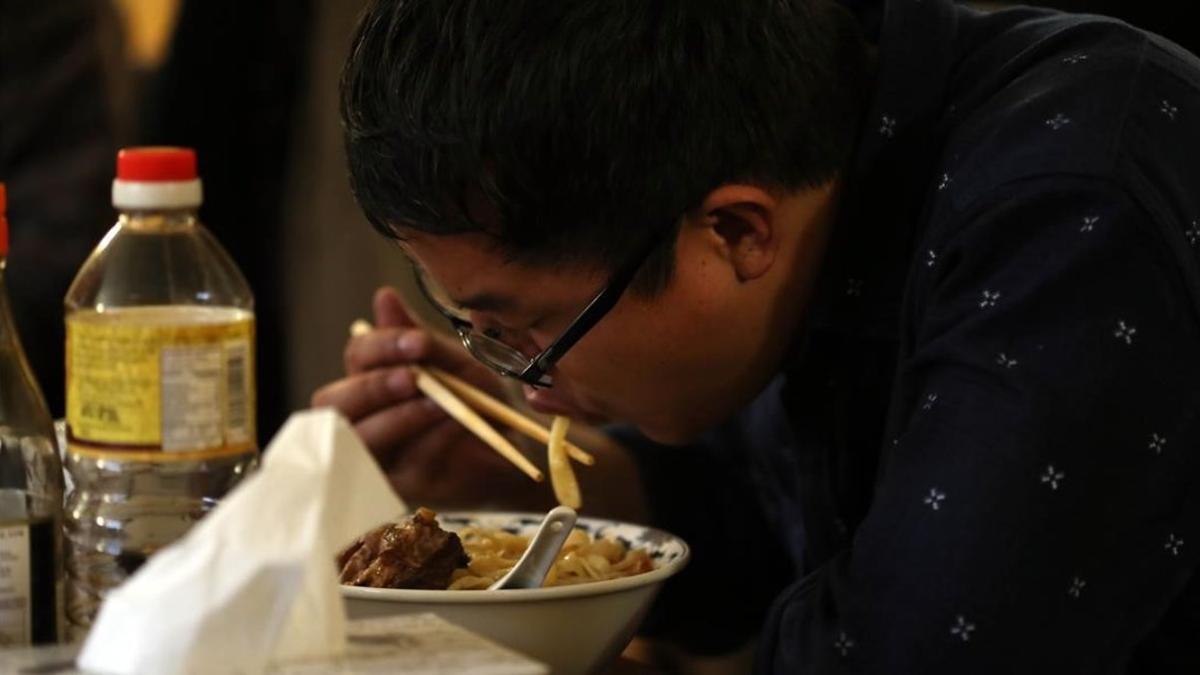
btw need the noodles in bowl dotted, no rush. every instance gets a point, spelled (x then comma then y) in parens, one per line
(573, 627)
(582, 559)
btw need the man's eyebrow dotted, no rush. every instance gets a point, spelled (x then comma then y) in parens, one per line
(480, 302)
(487, 302)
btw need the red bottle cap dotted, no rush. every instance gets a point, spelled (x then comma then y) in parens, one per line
(157, 178)
(156, 164)
(3, 222)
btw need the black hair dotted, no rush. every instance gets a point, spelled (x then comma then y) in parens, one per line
(587, 123)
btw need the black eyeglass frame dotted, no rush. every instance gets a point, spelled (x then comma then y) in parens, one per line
(537, 369)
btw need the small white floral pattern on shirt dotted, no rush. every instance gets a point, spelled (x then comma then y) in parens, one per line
(1058, 121)
(962, 628)
(945, 182)
(1173, 544)
(1004, 361)
(854, 287)
(1125, 332)
(1076, 587)
(1089, 223)
(1168, 109)
(989, 299)
(1075, 58)
(887, 126)
(1052, 477)
(843, 644)
(1157, 443)
(929, 401)
(935, 498)
(930, 258)
(1193, 233)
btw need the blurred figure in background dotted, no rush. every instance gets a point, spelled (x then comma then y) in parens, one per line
(261, 111)
(326, 231)
(62, 90)
(228, 89)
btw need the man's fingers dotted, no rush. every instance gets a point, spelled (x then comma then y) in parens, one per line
(363, 394)
(425, 455)
(428, 469)
(389, 430)
(384, 347)
(375, 349)
(390, 311)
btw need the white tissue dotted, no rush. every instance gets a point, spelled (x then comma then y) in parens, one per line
(255, 581)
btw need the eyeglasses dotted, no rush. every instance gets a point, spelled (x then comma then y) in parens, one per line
(509, 361)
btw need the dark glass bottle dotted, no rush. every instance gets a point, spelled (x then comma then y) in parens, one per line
(31, 491)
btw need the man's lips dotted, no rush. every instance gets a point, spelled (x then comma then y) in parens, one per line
(551, 403)
(560, 400)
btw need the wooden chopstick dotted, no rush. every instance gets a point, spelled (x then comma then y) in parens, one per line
(490, 406)
(438, 393)
(454, 406)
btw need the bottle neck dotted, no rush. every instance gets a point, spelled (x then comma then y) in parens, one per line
(158, 220)
(7, 328)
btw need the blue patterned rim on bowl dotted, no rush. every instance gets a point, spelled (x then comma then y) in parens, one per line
(668, 552)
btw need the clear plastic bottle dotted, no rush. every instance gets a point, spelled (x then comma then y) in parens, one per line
(31, 489)
(160, 379)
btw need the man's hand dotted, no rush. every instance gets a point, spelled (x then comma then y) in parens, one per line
(430, 458)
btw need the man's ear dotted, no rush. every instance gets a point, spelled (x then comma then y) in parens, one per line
(739, 222)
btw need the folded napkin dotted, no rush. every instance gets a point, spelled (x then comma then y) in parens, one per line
(255, 581)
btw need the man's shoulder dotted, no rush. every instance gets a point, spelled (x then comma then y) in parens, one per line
(1056, 124)
(1044, 93)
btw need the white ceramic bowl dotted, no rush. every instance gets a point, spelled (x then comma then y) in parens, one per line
(573, 629)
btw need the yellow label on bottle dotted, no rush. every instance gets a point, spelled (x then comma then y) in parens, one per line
(171, 379)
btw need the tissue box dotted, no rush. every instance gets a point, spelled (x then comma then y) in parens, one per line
(421, 644)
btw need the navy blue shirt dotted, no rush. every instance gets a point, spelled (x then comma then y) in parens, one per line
(984, 454)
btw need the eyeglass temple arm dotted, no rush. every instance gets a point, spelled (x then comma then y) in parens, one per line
(598, 307)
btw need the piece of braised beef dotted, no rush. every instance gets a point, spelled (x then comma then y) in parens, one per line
(414, 554)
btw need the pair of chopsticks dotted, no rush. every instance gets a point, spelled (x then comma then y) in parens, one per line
(456, 397)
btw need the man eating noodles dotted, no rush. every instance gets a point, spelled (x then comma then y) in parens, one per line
(890, 308)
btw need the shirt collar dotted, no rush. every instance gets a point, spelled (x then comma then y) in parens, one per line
(872, 246)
